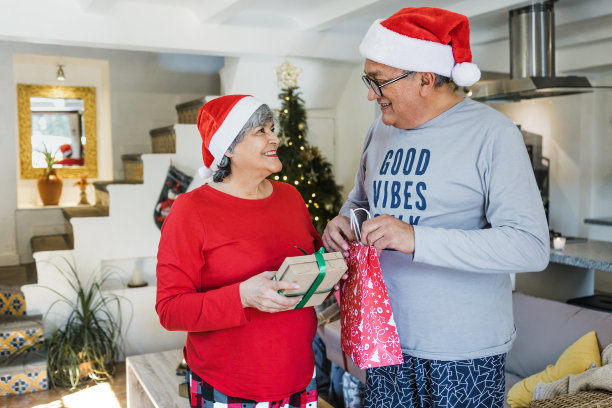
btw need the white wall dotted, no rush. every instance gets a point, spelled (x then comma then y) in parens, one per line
(34, 222)
(9, 153)
(355, 115)
(577, 138)
(321, 82)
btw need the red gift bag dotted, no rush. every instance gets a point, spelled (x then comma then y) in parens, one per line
(368, 334)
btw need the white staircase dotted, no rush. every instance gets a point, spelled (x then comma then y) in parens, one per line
(126, 239)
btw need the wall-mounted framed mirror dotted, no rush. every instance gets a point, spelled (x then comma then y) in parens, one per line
(60, 120)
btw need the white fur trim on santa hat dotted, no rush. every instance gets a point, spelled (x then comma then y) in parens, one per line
(399, 51)
(205, 172)
(231, 126)
(465, 74)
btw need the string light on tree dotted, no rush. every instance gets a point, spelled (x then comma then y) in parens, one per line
(317, 186)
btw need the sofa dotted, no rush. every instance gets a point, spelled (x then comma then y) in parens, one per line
(545, 328)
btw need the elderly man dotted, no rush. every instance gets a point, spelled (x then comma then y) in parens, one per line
(455, 209)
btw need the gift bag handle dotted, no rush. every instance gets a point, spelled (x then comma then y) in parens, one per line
(355, 221)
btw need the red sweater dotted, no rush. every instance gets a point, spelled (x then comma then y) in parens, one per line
(212, 241)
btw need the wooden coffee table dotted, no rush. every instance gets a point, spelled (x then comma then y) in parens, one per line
(152, 380)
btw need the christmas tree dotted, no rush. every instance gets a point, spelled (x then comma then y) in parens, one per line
(303, 165)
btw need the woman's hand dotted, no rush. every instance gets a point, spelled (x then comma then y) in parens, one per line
(261, 292)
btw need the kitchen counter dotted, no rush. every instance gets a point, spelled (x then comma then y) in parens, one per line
(589, 255)
(571, 272)
(599, 221)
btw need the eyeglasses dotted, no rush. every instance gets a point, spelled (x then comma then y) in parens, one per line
(370, 83)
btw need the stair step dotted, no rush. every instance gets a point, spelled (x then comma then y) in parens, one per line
(51, 243)
(12, 301)
(20, 334)
(85, 211)
(18, 274)
(24, 374)
(132, 167)
(163, 139)
(188, 111)
(101, 186)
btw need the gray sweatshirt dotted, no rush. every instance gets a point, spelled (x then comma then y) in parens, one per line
(465, 182)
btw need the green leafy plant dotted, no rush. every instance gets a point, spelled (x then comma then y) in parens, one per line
(88, 346)
(50, 159)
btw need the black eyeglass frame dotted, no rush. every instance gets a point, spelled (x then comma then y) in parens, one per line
(370, 83)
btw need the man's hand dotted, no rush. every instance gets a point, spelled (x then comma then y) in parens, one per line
(386, 231)
(261, 292)
(337, 232)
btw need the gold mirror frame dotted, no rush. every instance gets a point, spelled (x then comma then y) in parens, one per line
(88, 95)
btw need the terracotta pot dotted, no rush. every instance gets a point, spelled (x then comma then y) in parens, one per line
(50, 189)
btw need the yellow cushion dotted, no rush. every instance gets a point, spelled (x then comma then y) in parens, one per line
(575, 359)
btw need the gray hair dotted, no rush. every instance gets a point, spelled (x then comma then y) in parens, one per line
(439, 80)
(260, 117)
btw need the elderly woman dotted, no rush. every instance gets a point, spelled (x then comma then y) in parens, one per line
(246, 344)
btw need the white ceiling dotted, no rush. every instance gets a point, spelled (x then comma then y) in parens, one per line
(328, 29)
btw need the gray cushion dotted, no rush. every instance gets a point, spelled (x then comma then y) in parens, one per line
(545, 328)
(511, 379)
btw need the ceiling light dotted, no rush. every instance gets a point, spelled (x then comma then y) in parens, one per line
(60, 73)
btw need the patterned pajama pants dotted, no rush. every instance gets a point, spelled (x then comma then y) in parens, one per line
(203, 395)
(420, 383)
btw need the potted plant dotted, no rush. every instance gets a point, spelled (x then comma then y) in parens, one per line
(88, 346)
(49, 184)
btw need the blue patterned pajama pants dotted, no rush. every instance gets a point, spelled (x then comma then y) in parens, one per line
(420, 383)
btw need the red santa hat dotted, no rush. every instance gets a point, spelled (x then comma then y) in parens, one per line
(219, 122)
(66, 150)
(423, 39)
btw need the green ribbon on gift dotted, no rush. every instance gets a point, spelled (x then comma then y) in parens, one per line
(315, 284)
(322, 270)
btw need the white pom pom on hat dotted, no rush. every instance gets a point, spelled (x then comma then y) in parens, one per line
(465, 74)
(423, 39)
(205, 172)
(219, 122)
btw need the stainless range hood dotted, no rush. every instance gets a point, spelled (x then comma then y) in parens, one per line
(532, 60)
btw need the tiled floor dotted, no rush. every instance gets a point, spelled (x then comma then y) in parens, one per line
(105, 395)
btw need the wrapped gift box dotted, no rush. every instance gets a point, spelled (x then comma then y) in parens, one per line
(304, 270)
(330, 334)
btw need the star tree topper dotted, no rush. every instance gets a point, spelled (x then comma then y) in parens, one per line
(287, 74)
